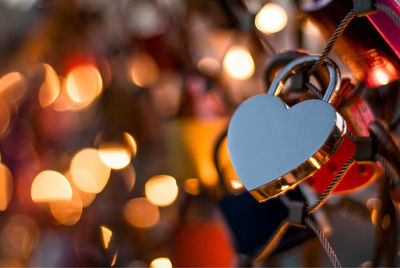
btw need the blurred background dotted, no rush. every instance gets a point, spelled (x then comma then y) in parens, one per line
(110, 112)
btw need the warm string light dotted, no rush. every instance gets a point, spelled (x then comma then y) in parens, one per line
(106, 235)
(161, 263)
(144, 70)
(6, 186)
(67, 212)
(88, 171)
(141, 213)
(19, 237)
(50, 186)
(114, 155)
(161, 190)
(238, 63)
(50, 88)
(84, 84)
(271, 18)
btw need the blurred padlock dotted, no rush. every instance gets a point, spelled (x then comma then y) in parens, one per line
(202, 242)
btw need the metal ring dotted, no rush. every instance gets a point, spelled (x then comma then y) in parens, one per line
(300, 63)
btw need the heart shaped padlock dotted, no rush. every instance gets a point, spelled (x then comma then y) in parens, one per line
(273, 147)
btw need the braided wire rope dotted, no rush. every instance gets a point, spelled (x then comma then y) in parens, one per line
(323, 197)
(338, 32)
(324, 242)
(314, 89)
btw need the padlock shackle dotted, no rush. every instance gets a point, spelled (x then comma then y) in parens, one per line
(292, 67)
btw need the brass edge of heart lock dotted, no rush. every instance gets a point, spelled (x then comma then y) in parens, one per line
(291, 179)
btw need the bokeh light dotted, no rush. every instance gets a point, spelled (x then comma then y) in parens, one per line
(129, 176)
(236, 184)
(67, 212)
(381, 76)
(50, 88)
(88, 171)
(271, 18)
(209, 66)
(131, 142)
(5, 117)
(50, 186)
(114, 155)
(238, 63)
(141, 213)
(144, 70)
(161, 263)
(6, 187)
(114, 259)
(106, 235)
(84, 84)
(161, 190)
(13, 88)
(86, 198)
(192, 186)
(19, 236)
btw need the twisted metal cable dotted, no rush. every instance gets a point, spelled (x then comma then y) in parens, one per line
(388, 11)
(323, 197)
(390, 170)
(314, 89)
(324, 242)
(339, 30)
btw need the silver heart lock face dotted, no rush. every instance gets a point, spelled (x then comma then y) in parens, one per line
(273, 147)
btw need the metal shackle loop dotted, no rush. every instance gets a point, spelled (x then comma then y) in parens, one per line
(292, 67)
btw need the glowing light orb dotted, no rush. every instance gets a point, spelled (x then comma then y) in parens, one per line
(50, 186)
(161, 190)
(50, 88)
(84, 84)
(88, 171)
(114, 156)
(161, 263)
(238, 63)
(141, 213)
(271, 18)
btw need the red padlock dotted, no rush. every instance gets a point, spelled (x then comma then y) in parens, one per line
(358, 115)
